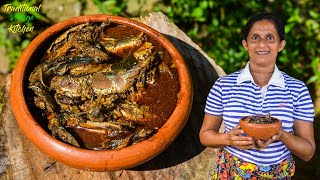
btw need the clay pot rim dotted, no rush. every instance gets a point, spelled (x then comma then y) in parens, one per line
(242, 119)
(103, 159)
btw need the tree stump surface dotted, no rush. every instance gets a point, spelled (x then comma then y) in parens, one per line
(185, 158)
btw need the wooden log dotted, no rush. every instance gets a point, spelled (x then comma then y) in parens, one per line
(185, 158)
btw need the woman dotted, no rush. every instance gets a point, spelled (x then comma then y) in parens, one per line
(259, 88)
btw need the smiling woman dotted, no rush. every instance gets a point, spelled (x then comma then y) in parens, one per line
(263, 45)
(259, 89)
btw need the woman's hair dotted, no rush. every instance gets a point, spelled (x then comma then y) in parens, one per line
(265, 16)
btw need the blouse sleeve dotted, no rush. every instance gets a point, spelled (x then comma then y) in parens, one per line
(303, 106)
(214, 100)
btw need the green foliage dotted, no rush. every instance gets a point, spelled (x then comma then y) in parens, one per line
(114, 7)
(217, 25)
(14, 46)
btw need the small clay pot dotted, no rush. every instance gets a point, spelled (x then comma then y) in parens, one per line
(260, 131)
(102, 160)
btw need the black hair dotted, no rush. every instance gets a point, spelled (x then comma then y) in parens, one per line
(265, 16)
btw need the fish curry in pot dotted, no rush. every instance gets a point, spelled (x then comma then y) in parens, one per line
(104, 86)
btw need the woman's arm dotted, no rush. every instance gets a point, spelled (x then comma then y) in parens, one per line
(301, 143)
(209, 134)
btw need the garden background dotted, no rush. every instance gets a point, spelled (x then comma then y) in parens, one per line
(214, 25)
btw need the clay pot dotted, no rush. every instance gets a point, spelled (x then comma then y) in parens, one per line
(260, 131)
(101, 160)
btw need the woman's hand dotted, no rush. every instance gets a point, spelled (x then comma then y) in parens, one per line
(241, 142)
(264, 144)
(211, 137)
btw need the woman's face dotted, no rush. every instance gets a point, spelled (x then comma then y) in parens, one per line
(263, 44)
